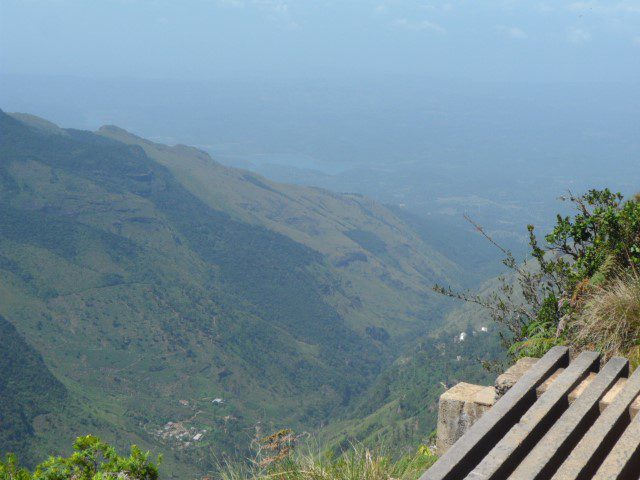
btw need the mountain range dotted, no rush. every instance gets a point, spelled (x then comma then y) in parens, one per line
(151, 295)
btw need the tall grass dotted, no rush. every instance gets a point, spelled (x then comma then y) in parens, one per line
(609, 320)
(358, 463)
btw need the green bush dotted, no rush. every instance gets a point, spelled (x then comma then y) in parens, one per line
(92, 459)
(10, 470)
(546, 301)
(583, 256)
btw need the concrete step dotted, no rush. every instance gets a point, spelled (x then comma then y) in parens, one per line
(544, 419)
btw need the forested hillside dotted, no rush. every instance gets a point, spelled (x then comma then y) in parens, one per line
(27, 390)
(384, 264)
(189, 307)
(400, 409)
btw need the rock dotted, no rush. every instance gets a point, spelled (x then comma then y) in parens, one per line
(462, 405)
(509, 378)
(459, 408)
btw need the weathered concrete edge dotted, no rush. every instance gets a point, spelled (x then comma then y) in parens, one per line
(551, 450)
(513, 447)
(458, 409)
(623, 462)
(585, 457)
(468, 451)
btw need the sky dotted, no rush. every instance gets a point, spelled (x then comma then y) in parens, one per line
(484, 103)
(479, 40)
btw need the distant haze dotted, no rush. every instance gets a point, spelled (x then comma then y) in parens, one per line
(492, 108)
(204, 39)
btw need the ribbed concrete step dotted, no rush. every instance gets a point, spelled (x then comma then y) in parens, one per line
(605, 401)
(560, 421)
(551, 451)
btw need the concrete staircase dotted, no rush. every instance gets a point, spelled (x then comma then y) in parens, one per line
(544, 419)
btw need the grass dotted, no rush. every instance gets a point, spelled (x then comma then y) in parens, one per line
(358, 463)
(93, 459)
(609, 321)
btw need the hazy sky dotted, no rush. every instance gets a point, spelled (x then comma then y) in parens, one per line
(204, 39)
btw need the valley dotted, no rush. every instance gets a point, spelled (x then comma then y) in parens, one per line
(192, 308)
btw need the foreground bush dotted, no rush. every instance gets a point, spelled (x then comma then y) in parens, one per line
(92, 460)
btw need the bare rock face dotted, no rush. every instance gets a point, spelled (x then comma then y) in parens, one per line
(460, 407)
(509, 378)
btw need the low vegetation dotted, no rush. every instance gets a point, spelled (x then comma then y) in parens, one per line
(277, 458)
(92, 459)
(609, 319)
(356, 464)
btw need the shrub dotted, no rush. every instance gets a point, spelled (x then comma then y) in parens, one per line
(10, 470)
(580, 289)
(92, 460)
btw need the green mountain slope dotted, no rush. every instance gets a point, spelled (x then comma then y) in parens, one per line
(383, 263)
(28, 390)
(400, 408)
(188, 307)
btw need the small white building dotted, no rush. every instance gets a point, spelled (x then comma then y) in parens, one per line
(197, 437)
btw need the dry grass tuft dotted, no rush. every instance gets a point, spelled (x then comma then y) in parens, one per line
(609, 319)
(356, 464)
